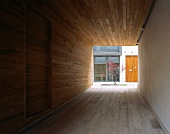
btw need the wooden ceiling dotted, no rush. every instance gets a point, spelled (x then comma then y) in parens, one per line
(103, 22)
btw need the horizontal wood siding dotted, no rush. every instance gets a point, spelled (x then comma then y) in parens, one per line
(71, 62)
(12, 65)
(71, 71)
(37, 63)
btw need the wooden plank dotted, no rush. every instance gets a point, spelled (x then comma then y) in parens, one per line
(37, 68)
(117, 110)
(12, 65)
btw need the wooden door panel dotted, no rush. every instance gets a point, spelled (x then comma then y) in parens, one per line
(131, 68)
(37, 58)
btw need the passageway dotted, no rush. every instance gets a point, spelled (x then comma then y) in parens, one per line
(101, 110)
(46, 59)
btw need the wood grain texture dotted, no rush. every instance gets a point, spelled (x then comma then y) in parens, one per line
(37, 63)
(101, 110)
(12, 65)
(76, 26)
(71, 62)
(104, 22)
(131, 68)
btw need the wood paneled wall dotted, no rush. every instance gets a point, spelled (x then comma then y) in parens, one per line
(12, 65)
(38, 44)
(70, 64)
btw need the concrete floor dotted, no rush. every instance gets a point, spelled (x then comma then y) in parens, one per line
(101, 110)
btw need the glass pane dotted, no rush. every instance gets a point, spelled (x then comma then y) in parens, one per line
(103, 48)
(114, 59)
(112, 48)
(106, 48)
(99, 77)
(100, 72)
(100, 60)
(100, 68)
(113, 68)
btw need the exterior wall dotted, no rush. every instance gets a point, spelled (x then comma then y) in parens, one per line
(126, 50)
(71, 63)
(154, 61)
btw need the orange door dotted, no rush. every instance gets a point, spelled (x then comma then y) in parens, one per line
(131, 68)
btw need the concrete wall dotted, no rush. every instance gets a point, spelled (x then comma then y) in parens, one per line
(126, 50)
(154, 61)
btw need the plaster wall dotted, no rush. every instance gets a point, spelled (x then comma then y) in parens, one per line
(154, 62)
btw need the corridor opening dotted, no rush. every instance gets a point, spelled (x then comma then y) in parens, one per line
(74, 27)
(115, 63)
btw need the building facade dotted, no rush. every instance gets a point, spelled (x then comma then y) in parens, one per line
(119, 55)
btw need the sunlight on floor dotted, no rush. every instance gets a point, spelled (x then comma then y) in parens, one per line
(107, 89)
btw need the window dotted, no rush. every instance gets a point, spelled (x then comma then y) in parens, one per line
(101, 72)
(107, 48)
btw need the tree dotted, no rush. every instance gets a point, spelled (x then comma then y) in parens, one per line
(114, 69)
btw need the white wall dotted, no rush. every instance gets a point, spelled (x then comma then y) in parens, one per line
(126, 50)
(154, 61)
